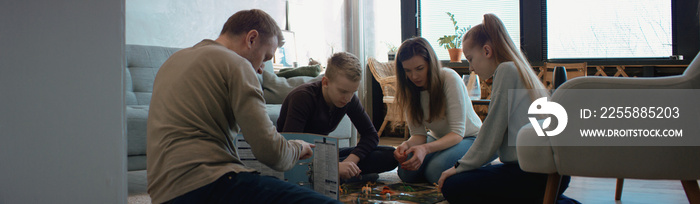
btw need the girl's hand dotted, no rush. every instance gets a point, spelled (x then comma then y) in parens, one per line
(445, 174)
(419, 152)
(400, 152)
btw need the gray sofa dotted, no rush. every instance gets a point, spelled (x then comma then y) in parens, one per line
(142, 64)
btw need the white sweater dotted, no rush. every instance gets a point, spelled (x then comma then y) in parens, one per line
(460, 116)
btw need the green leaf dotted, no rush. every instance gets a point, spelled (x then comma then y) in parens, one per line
(453, 41)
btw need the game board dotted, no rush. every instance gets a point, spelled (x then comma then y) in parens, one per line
(326, 154)
(400, 193)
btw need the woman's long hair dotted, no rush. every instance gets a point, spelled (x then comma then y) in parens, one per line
(492, 30)
(408, 94)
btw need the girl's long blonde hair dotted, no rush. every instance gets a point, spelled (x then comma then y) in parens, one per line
(408, 94)
(492, 30)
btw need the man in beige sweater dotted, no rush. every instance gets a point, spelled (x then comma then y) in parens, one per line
(202, 97)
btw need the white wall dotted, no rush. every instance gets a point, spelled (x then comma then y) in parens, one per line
(61, 102)
(319, 25)
(183, 23)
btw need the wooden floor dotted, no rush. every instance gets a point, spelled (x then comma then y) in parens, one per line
(602, 190)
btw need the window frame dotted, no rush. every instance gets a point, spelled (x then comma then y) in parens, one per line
(685, 28)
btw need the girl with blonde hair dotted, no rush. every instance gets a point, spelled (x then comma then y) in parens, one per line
(491, 53)
(433, 98)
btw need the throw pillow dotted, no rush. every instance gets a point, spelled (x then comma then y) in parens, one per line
(311, 70)
(275, 88)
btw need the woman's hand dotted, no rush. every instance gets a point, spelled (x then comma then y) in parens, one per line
(446, 174)
(400, 152)
(419, 152)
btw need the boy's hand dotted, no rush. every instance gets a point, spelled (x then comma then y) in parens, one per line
(347, 169)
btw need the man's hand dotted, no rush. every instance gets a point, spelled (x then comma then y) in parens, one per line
(306, 151)
(400, 152)
(446, 174)
(419, 152)
(347, 169)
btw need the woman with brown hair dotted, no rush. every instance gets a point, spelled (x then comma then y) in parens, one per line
(432, 98)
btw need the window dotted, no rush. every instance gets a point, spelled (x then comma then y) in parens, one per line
(382, 28)
(319, 27)
(608, 29)
(435, 23)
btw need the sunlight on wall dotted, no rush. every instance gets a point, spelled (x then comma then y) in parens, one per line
(319, 27)
(382, 28)
(183, 23)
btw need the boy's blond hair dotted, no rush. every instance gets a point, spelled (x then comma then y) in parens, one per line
(344, 64)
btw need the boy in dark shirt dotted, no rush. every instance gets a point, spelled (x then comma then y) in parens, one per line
(318, 107)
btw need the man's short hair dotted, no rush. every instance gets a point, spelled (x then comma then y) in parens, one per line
(254, 19)
(344, 64)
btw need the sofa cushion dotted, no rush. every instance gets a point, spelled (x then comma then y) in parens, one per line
(142, 63)
(136, 116)
(344, 129)
(275, 88)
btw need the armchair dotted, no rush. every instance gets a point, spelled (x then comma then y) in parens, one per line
(385, 74)
(639, 162)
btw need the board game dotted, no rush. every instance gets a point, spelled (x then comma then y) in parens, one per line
(320, 172)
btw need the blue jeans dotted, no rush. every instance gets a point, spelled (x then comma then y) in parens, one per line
(249, 187)
(437, 162)
(501, 183)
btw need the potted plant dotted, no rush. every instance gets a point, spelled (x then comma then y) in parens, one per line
(454, 41)
(391, 54)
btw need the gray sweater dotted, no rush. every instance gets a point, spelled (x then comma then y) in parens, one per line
(495, 133)
(202, 97)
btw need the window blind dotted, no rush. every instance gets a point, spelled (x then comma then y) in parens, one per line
(608, 29)
(435, 23)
